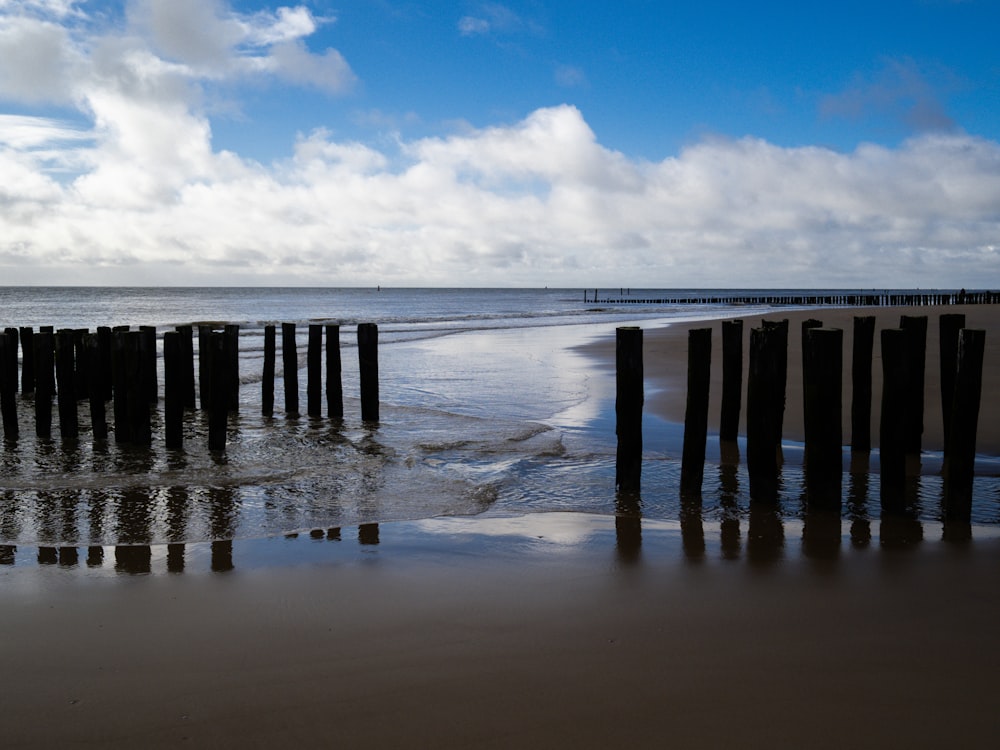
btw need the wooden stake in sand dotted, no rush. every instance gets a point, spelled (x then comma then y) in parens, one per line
(950, 324)
(45, 386)
(961, 459)
(765, 408)
(628, 408)
(732, 379)
(290, 365)
(267, 377)
(8, 387)
(822, 377)
(314, 371)
(893, 423)
(173, 390)
(334, 386)
(368, 363)
(861, 379)
(696, 415)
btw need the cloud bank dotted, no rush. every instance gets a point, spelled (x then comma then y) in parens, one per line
(139, 195)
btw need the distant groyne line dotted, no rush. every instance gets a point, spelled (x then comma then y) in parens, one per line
(873, 299)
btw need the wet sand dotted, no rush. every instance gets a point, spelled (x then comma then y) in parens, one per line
(480, 636)
(665, 363)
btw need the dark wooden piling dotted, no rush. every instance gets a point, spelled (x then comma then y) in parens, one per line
(822, 377)
(368, 364)
(314, 371)
(893, 422)
(699, 375)
(8, 387)
(187, 366)
(27, 360)
(69, 428)
(96, 387)
(334, 385)
(81, 364)
(290, 365)
(204, 356)
(173, 390)
(137, 383)
(267, 378)
(949, 326)
(732, 379)
(961, 459)
(147, 348)
(105, 371)
(779, 341)
(807, 325)
(231, 332)
(916, 352)
(629, 399)
(45, 386)
(219, 385)
(765, 407)
(10, 358)
(120, 377)
(861, 383)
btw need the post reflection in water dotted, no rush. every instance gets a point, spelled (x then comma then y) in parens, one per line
(368, 533)
(765, 534)
(857, 500)
(729, 490)
(692, 528)
(628, 527)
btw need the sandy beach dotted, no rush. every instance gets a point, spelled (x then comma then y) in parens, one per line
(550, 630)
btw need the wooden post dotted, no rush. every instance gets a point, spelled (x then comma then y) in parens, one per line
(137, 386)
(232, 344)
(779, 341)
(823, 363)
(368, 364)
(104, 363)
(950, 325)
(96, 387)
(81, 362)
(66, 398)
(45, 385)
(187, 366)
(628, 408)
(10, 359)
(173, 390)
(27, 361)
(314, 371)
(204, 358)
(148, 367)
(916, 352)
(696, 414)
(732, 379)
(764, 402)
(119, 362)
(334, 386)
(267, 379)
(807, 325)
(892, 425)
(219, 385)
(8, 387)
(861, 380)
(961, 459)
(290, 365)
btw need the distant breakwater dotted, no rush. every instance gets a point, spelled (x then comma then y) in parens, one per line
(874, 299)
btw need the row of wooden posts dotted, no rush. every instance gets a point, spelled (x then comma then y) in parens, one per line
(118, 365)
(841, 299)
(901, 418)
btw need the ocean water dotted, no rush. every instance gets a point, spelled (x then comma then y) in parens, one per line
(487, 407)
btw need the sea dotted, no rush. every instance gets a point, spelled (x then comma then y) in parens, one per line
(488, 408)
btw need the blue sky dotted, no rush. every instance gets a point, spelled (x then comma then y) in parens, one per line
(517, 143)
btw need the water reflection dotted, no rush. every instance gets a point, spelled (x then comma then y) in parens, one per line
(628, 527)
(857, 500)
(765, 534)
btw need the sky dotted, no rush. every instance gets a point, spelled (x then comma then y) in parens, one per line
(523, 143)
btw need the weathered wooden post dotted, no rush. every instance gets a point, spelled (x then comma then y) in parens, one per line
(823, 363)
(765, 406)
(893, 423)
(147, 347)
(950, 325)
(187, 365)
(696, 413)
(10, 359)
(368, 365)
(967, 390)
(27, 361)
(732, 379)
(173, 390)
(290, 364)
(231, 332)
(104, 363)
(8, 387)
(916, 352)
(629, 399)
(807, 325)
(219, 385)
(66, 397)
(204, 358)
(81, 362)
(314, 371)
(334, 386)
(137, 385)
(45, 386)
(120, 373)
(778, 395)
(267, 378)
(861, 380)
(96, 387)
